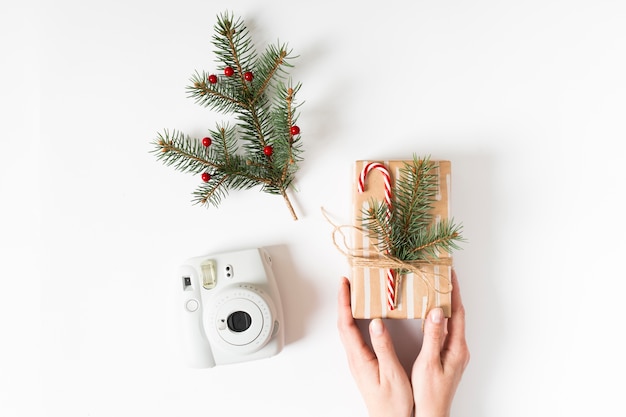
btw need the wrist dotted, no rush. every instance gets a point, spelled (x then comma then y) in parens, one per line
(431, 414)
(386, 414)
(391, 413)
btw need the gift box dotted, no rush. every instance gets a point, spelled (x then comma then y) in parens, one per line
(426, 284)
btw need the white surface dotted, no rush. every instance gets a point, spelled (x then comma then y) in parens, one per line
(527, 99)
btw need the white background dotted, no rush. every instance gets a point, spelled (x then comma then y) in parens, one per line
(527, 99)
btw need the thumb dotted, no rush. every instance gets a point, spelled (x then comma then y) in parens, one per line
(383, 345)
(434, 331)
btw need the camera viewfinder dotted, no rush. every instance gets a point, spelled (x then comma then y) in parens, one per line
(209, 274)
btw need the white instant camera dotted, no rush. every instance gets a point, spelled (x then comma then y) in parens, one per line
(231, 308)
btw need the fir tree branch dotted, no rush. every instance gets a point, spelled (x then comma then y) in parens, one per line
(258, 127)
(211, 193)
(270, 153)
(235, 46)
(277, 57)
(224, 144)
(218, 97)
(408, 233)
(376, 221)
(233, 43)
(181, 152)
(414, 193)
(289, 206)
(441, 242)
(290, 159)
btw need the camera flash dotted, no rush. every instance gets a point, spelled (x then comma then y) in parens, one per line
(209, 275)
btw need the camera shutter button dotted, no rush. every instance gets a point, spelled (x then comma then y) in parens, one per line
(191, 305)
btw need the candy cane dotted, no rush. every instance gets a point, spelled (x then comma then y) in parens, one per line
(391, 278)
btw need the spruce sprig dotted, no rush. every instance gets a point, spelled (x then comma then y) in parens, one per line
(262, 98)
(408, 232)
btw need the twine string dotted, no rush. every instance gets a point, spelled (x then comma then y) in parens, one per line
(358, 258)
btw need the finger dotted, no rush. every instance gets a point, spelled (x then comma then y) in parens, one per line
(456, 323)
(455, 352)
(383, 347)
(344, 318)
(434, 333)
(356, 348)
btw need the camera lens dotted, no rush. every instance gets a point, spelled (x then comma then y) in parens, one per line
(239, 321)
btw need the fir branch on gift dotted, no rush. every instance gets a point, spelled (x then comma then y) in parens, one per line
(255, 88)
(408, 233)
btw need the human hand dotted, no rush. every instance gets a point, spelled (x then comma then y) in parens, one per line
(440, 364)
(380, 377)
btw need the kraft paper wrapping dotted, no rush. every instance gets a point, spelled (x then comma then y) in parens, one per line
(416, 293)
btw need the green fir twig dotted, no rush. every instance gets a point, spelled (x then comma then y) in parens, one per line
(408, 233)
(255, 88)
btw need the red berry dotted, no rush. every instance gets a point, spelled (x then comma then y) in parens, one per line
(206, 141)
(248, 76)
(268, 150)
(229, 71)
(212, 78)
(206, 177)
(295, 130)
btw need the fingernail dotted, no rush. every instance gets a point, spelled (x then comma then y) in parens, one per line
(376, 327)
(436, 315)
